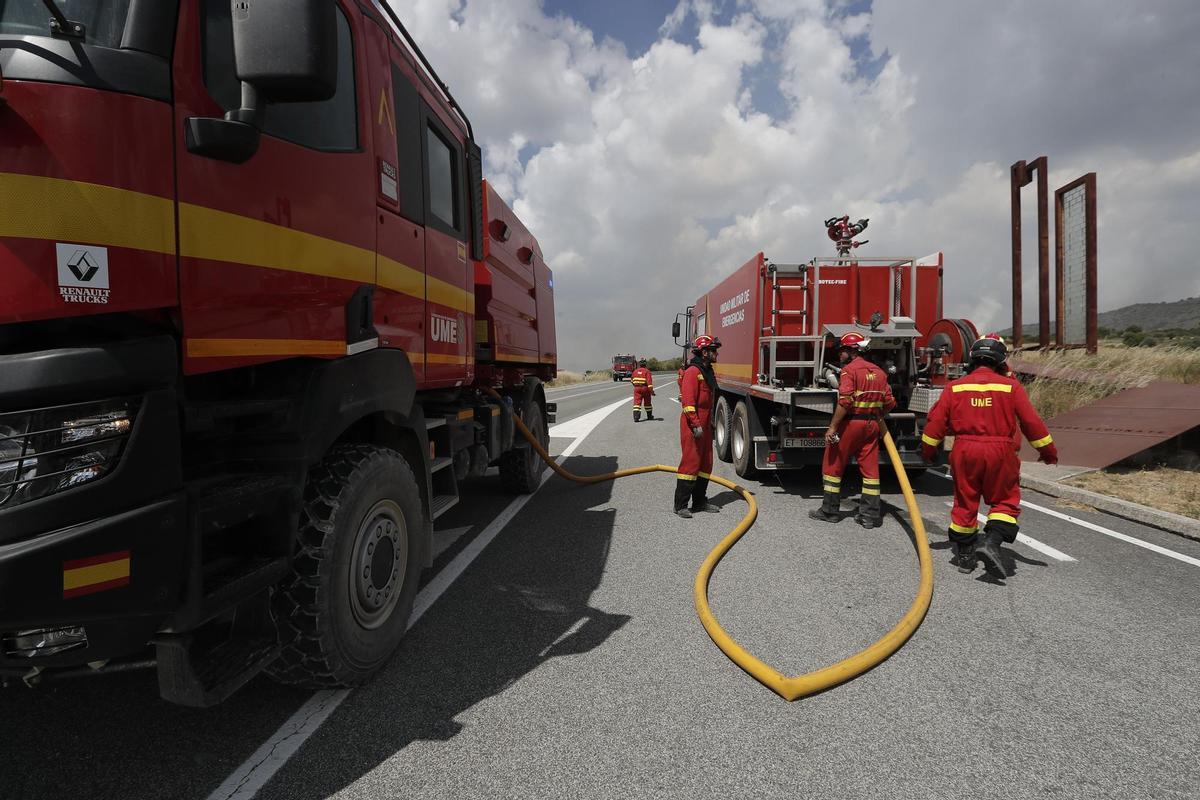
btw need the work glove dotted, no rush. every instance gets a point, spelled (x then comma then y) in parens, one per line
(1048, 454)
(697, 432)
(928, 452)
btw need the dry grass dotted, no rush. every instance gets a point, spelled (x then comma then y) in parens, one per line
(571, 378)
(1112, 369)
(1174, 490)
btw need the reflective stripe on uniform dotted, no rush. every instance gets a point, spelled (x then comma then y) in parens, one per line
(929, 440)
(868, 404)
(962, 528)
(1040, 443)
(870, 481)
(869, 490)
(1002, 517)
(1005, 388)
(689, 408)
(683, 477)
(832, 478)
(833, 489)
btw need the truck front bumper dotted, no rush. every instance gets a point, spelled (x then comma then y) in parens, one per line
(93, 591)
(90, 562)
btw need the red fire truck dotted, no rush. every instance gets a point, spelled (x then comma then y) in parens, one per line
(778, 324)
(254, 288)
(623, 367)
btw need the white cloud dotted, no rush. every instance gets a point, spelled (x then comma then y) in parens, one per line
(648, 179)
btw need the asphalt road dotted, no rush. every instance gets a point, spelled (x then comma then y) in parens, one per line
(567, 661)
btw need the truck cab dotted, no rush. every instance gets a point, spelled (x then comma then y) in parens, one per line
(241, 246)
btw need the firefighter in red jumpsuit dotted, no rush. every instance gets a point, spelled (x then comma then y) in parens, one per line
(863, 398)
(697, 396)
(643, 391)
(983, 411)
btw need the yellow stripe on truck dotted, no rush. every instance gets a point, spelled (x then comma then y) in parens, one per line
(91, 213)
(228, 348)
(88, 213)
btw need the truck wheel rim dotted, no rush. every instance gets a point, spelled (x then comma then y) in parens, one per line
(378, 564)
(739, 440)
(720, 432)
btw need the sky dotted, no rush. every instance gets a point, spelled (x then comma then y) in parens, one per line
(653, 146)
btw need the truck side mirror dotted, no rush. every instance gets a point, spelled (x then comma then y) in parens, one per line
(286, 51)
(282, 52)
(675, 330)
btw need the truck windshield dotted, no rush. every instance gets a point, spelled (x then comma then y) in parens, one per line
(103, 20)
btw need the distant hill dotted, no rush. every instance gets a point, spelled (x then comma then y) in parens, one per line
(1180, 314)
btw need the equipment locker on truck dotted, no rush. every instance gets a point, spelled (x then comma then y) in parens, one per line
(255, 286)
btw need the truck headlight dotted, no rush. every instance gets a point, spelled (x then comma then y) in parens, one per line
(53, 449)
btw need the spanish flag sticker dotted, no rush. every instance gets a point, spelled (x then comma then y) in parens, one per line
(95, 574)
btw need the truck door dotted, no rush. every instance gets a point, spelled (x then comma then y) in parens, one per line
(400, 198)
(450, 299)
(272, 250)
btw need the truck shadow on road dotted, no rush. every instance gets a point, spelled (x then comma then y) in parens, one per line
(524, 602)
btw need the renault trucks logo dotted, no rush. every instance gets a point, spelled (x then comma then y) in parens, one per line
(443, 329)
(82, 273)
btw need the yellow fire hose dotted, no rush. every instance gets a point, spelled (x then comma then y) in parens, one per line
(818, 680)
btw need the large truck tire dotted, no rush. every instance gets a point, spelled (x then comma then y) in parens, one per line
(740, 443)
(521, 468)
(721, 424)
(346, 606)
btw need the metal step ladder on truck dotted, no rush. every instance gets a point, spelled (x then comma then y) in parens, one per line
(255, 288)
(778, 372)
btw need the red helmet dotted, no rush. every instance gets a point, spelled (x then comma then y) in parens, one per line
(855, 341)
(995, 336)
(706, 342)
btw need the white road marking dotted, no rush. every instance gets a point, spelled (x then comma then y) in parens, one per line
(1031, 542)
(674, 400)
(1195, 562)
(259, 768)
(557, 397)
(1124, 537)
(581, 426)
(269, 758)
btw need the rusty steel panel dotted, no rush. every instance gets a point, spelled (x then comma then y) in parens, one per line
(1123, 424)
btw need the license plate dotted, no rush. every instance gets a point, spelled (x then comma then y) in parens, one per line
(812, 441)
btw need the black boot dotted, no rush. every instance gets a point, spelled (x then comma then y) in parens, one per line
(995, 532)
(828, 512)
(964, 551)
(683, 490)
(868, 510)
(637, 415)
(649, 413)
(699, 499)
(989, 550)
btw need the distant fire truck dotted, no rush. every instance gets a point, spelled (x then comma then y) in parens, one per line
(623, 367)
(779, 323)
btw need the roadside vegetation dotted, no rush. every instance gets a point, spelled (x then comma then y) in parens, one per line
(566, 378)
(1084, 379)
(1174, 490)
(1166, 477)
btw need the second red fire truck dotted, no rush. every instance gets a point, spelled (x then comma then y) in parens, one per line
(779, 323)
